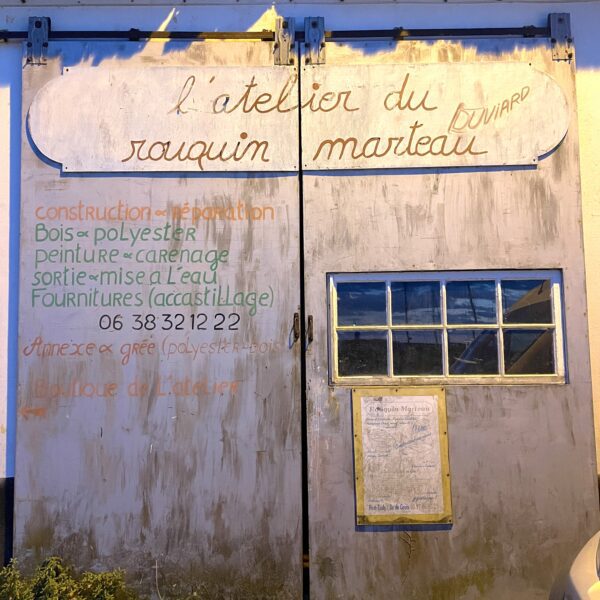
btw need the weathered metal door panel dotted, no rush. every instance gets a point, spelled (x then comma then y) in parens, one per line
(159, 412)
(523, 483)
(159, 403)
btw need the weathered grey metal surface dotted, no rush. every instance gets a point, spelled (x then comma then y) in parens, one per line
(182, 456)
(524, 490)
(208, 481)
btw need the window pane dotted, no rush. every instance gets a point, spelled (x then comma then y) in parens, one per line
(473, 351)
(417, 352)
(361, 303)
(528, 351)
(471, 302)
(526, 301)
(362, 353)
(416, 303)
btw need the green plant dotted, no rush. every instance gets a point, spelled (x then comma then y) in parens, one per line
(52, 580)
(12, 585)
(104, 586)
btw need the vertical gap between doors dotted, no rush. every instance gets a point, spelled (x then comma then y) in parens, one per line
(303, 403)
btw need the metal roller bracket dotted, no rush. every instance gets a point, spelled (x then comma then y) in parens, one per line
(560, 36)
(314, 40)
(37, 40)
(285, 38)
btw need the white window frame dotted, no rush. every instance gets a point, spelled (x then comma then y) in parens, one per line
(554, 275)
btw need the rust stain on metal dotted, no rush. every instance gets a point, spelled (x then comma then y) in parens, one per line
(27, 412)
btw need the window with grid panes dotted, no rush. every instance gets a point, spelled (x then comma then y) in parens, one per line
(488, 326)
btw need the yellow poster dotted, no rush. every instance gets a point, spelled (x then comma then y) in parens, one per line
(402, 472)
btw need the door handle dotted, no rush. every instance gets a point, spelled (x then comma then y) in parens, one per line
(296, 326)
(309, 330)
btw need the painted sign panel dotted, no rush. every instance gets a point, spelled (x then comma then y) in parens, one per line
(168, 119)
(226, 119)
(429, 115)
(401, 456)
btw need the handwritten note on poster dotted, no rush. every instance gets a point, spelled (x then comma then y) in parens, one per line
(401, 456)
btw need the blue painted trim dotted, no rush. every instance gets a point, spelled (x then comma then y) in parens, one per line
(13, 265)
